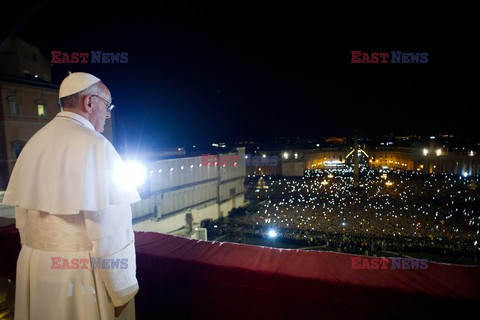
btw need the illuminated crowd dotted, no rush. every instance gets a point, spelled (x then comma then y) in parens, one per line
(390, 210)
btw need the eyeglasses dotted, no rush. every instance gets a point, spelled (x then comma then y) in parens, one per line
(110, 106)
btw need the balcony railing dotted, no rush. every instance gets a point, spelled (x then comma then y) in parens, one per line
(182, 278)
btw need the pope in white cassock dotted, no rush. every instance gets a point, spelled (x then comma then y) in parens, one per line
(71, 211)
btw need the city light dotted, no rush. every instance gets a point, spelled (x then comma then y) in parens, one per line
(333, 163)
(131, 173)
(272, 233)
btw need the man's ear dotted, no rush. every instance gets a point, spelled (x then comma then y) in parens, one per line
(87, 104)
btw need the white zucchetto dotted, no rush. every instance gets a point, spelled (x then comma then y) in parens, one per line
(76, 82)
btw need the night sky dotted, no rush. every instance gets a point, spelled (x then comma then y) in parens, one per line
(235, 71)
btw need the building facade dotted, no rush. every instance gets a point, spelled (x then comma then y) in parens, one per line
(294, 162)
(179, 186)
(28, 100)
(394, 158)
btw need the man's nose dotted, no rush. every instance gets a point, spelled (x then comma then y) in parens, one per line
(108, 115)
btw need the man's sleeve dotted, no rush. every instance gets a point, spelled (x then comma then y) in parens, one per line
(112, 237)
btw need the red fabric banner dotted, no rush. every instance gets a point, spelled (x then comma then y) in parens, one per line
(182, 278)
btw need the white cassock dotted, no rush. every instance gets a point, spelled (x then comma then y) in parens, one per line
(72, 206)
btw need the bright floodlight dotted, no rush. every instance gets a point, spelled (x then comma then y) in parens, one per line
(465, 174)
(272, 233)
(133, 173)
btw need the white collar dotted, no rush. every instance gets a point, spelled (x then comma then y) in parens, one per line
(75, 117)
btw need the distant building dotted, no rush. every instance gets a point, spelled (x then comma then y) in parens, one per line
(335, 140)
(264, 163)
(180, 185)
(28, 100)
(293, 162)
(437, 160)
(400, 158)
(427, 160)
(321, 158)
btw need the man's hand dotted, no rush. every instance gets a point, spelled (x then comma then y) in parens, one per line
(118, 310)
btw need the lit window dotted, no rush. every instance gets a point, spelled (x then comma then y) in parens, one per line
(41, 110)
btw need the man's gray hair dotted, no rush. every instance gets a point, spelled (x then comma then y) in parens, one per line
(72, 100)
